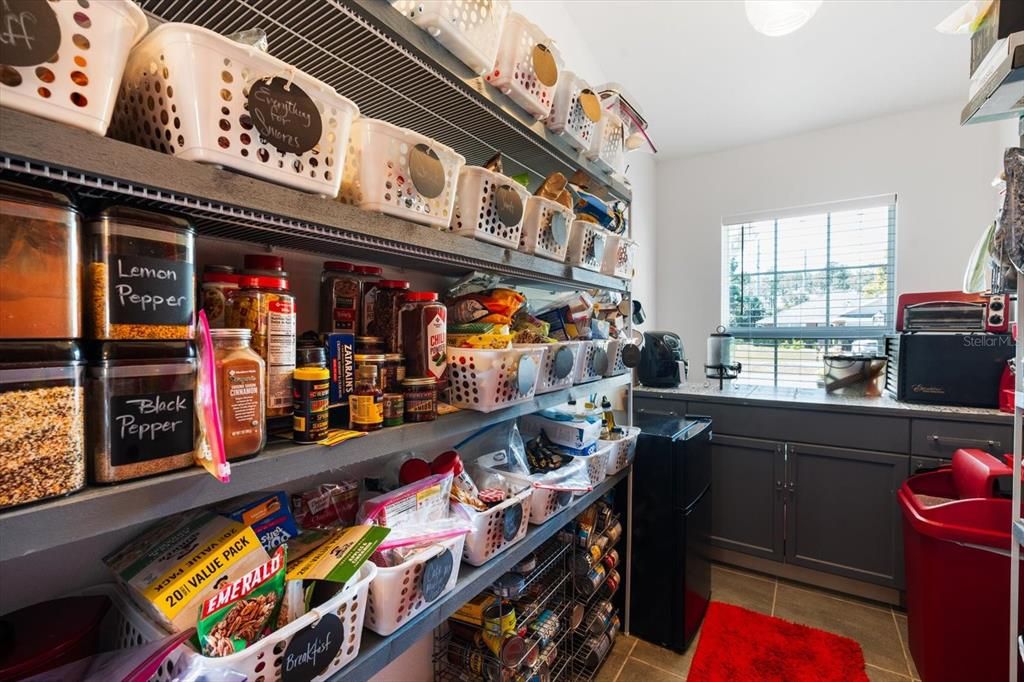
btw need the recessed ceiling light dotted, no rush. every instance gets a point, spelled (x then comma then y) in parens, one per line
(780, 17)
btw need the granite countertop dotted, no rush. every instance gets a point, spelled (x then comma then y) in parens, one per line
(775, 396)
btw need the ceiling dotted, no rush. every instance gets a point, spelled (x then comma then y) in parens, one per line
(707, 81)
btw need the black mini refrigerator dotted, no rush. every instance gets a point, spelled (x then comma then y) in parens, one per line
(670, 579)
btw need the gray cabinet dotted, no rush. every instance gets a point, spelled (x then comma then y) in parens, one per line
(746, 495)
(841, 512)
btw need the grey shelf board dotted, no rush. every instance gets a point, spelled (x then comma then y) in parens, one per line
(1002, 95)
(375, 652)
(1018, 530)
(237, 207)
(396, 72)
(103, 509)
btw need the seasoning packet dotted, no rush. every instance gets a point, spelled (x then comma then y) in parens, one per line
(239, 613)
(209, 451)
(340, 557)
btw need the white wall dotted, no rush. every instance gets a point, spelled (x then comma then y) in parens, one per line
(940, 172)
(554, 18)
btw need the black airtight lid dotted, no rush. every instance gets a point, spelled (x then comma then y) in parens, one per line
(129, 215)
(25, 194)
(115, 353)
(39, 353)
(310, 356)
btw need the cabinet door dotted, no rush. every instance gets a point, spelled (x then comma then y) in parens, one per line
(841, 512)
(747, 477)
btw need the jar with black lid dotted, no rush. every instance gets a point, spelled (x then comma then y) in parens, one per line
(141, 409)
(340, 303)
(140, 277)
(42, 420)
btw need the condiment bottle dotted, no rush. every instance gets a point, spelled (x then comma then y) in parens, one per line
(366, 404)
(311, 389)
(220, 283)
(339, 298)
(241, 384)
(422, 324)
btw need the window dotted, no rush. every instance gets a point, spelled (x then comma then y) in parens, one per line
(800, 283)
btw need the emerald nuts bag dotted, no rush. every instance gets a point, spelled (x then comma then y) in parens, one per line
(242, 611)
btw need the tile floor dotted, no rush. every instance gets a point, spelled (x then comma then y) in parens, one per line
(880, 630)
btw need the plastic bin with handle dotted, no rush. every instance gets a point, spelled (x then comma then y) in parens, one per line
(489, 206)
(488, 380)
(527, 65)
(622, 451)
(559, 366)
(469, 29)
(498, 528)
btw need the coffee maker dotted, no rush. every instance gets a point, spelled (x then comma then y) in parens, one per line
(662, 361)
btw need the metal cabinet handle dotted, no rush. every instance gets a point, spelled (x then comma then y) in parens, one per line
(791, 487)
(938, 440)
(780, 486)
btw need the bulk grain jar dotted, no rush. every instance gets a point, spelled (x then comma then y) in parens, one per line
(40, 266)
(140, 282)
(193, 93)
(42, 422)
(63, 60)
(141, 408)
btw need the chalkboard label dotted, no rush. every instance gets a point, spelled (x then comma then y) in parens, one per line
(631, 355)
(563, 362)
(426, 171)
(508, 205)
(513, 519)
(29, 32)
(143, 290)
(544, 65)
(312, 649)
(284, 115)
(590, 104)
(150, 426)
(526, 375)
(559, 228)
(562, 498)
(436, 572)
(596, 250)
(599, 362)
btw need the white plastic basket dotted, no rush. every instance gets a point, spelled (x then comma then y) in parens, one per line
(559, 368)
(597, 463)
(488, 380)
(469, 29)
(587, 244)
(498, 528)
(569, 117)
(545, 503)
(547, 228)
(592, 361)
(400, 172)
(186, 91)
(525, 56)
(608, 146)
(622, 450)
(489, 206)
(614, 365)
(398, 593)
(619, 257)
(69, 68)
(264, 658)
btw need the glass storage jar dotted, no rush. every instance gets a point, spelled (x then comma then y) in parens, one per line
(422, 325)
(264, 306)
(369, 345)
(394, 372)
(220, 282)
(241, 377)
(140, 282)
(386, 300)
(339, 298)
(379, 361)
(141, 408)
(420, 399)
(42, 420)
(40, 265)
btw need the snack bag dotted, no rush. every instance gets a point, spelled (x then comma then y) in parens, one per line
(340, 556)
(239, 613)
(496, 306)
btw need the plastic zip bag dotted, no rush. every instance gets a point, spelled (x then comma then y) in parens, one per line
(135, 664)
(209, 452)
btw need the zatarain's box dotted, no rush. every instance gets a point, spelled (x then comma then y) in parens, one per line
(171, 568)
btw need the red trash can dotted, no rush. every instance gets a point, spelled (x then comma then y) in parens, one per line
(957, 560)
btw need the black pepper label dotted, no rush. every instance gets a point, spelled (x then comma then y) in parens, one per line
(29, 32)
(284, 115)
(143, 290)
(151, 426)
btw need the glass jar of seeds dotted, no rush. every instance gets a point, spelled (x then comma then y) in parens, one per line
(141, 408)
(42, 420)
(140, 282)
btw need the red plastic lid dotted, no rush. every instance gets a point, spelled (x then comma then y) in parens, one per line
(421, 296)
(50, 634)
(413, 470)
(262, 261)
(447, 461)
(374, 270)
(339, 265)
(393, 283)
(260, 282)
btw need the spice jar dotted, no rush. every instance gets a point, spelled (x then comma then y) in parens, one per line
(369, 345)
(311, 392)
(378, 360)
(394, 409)
(394, 372)
(264, 306)
(420, 399)
(241, 377)
(422, 323)
(141, 408)
(339, 298)
(40, 266)
(42, 420)
(367, 276)
(140, 281)
(386, 301)
(220, 282)
(366, 404)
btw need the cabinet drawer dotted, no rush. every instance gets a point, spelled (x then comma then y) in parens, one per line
(921, 464)
(862, 432)
(674, 408)
(937, 438)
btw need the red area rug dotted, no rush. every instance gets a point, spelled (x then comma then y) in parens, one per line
(737, 645)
